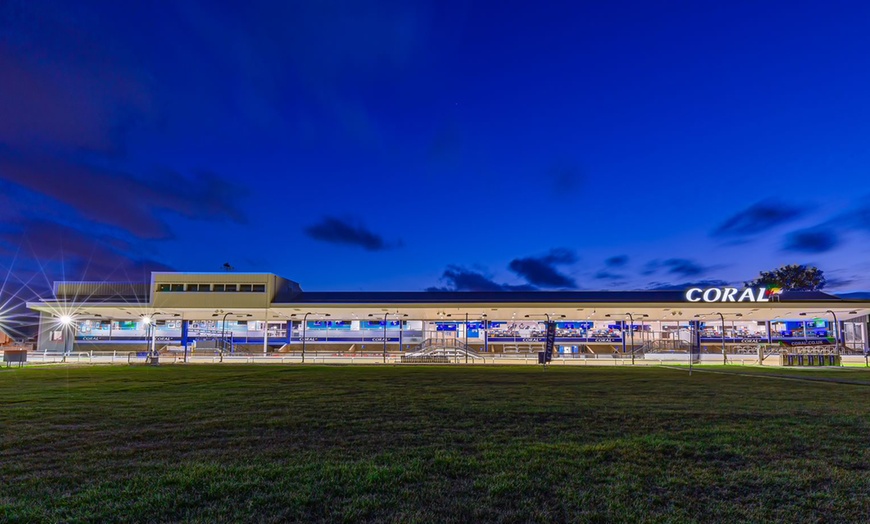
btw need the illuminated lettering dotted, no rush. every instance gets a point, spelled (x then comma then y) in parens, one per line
(746, 296)
(691, 293)
(728, 295)
(712, 292)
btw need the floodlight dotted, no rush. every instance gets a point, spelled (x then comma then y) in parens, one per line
(66, 320)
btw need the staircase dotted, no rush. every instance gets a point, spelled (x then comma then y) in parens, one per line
(662, 346)
(440, 351)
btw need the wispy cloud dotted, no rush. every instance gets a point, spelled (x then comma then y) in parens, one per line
(134, 203)
(542, 272)
(607, 275)
(818, 239)
(616, 261)
(676, 266)
(458, 278)
(342, 231)
(670, 286)
(49, 249)
(757, 218)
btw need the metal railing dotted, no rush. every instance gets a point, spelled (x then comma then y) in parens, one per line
(446, 347)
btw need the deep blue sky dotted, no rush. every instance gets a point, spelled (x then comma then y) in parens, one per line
(408, 145)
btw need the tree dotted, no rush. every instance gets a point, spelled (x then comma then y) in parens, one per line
(793, 277)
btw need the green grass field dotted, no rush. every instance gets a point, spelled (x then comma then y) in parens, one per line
(431, 444)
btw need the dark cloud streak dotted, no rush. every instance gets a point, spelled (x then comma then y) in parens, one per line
(758, 218)
(341, 231)
(458, 278)
(617, 261)
(541, 271)
(129, 202)
(668, 286)
(676, 266)
(811, 240)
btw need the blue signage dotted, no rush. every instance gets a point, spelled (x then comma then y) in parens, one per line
(592, 339)
(575, 325)
(343, 339)
(378, 324)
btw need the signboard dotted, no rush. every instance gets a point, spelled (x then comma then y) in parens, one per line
(730, 294)
(810, 342)
(574, 325)
(378, 324)
(343, 339)
(551, 340)
(732, 340)
(592, 339)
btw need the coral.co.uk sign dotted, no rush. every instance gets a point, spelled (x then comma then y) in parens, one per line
(729, 294)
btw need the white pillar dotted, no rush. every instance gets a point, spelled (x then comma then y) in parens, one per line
(266, 334)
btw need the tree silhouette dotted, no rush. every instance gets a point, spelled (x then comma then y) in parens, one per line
(792, 277)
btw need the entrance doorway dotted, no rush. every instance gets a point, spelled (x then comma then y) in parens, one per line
(445, 333)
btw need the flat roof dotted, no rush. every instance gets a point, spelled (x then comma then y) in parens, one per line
(523, 297)
(574, 305)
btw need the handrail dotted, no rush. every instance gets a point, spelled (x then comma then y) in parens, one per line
(433, 345)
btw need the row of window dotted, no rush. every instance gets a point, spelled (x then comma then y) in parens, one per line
(212, 288)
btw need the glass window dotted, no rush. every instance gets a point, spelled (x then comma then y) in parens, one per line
(259, 288)
(162, 287)
(218, 287)
(176, 287)
(245, 288)
(230, 287)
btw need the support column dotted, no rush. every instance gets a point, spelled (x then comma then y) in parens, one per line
(69, 338)
(266, 334)
(622, 322)
(695, 334)
(184, 333)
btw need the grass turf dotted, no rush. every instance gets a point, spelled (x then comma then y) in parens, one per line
(430, 444)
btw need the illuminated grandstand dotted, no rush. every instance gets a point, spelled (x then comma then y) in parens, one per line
(258, 313)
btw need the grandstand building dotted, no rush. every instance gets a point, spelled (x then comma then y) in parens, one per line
(256, 313)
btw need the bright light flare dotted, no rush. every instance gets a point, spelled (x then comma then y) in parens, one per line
(66, 320)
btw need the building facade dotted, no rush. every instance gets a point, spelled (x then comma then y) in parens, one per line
(265, 313)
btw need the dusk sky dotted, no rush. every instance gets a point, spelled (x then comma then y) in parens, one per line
(456, 145)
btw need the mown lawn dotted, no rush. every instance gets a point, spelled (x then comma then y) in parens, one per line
(430, 444)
